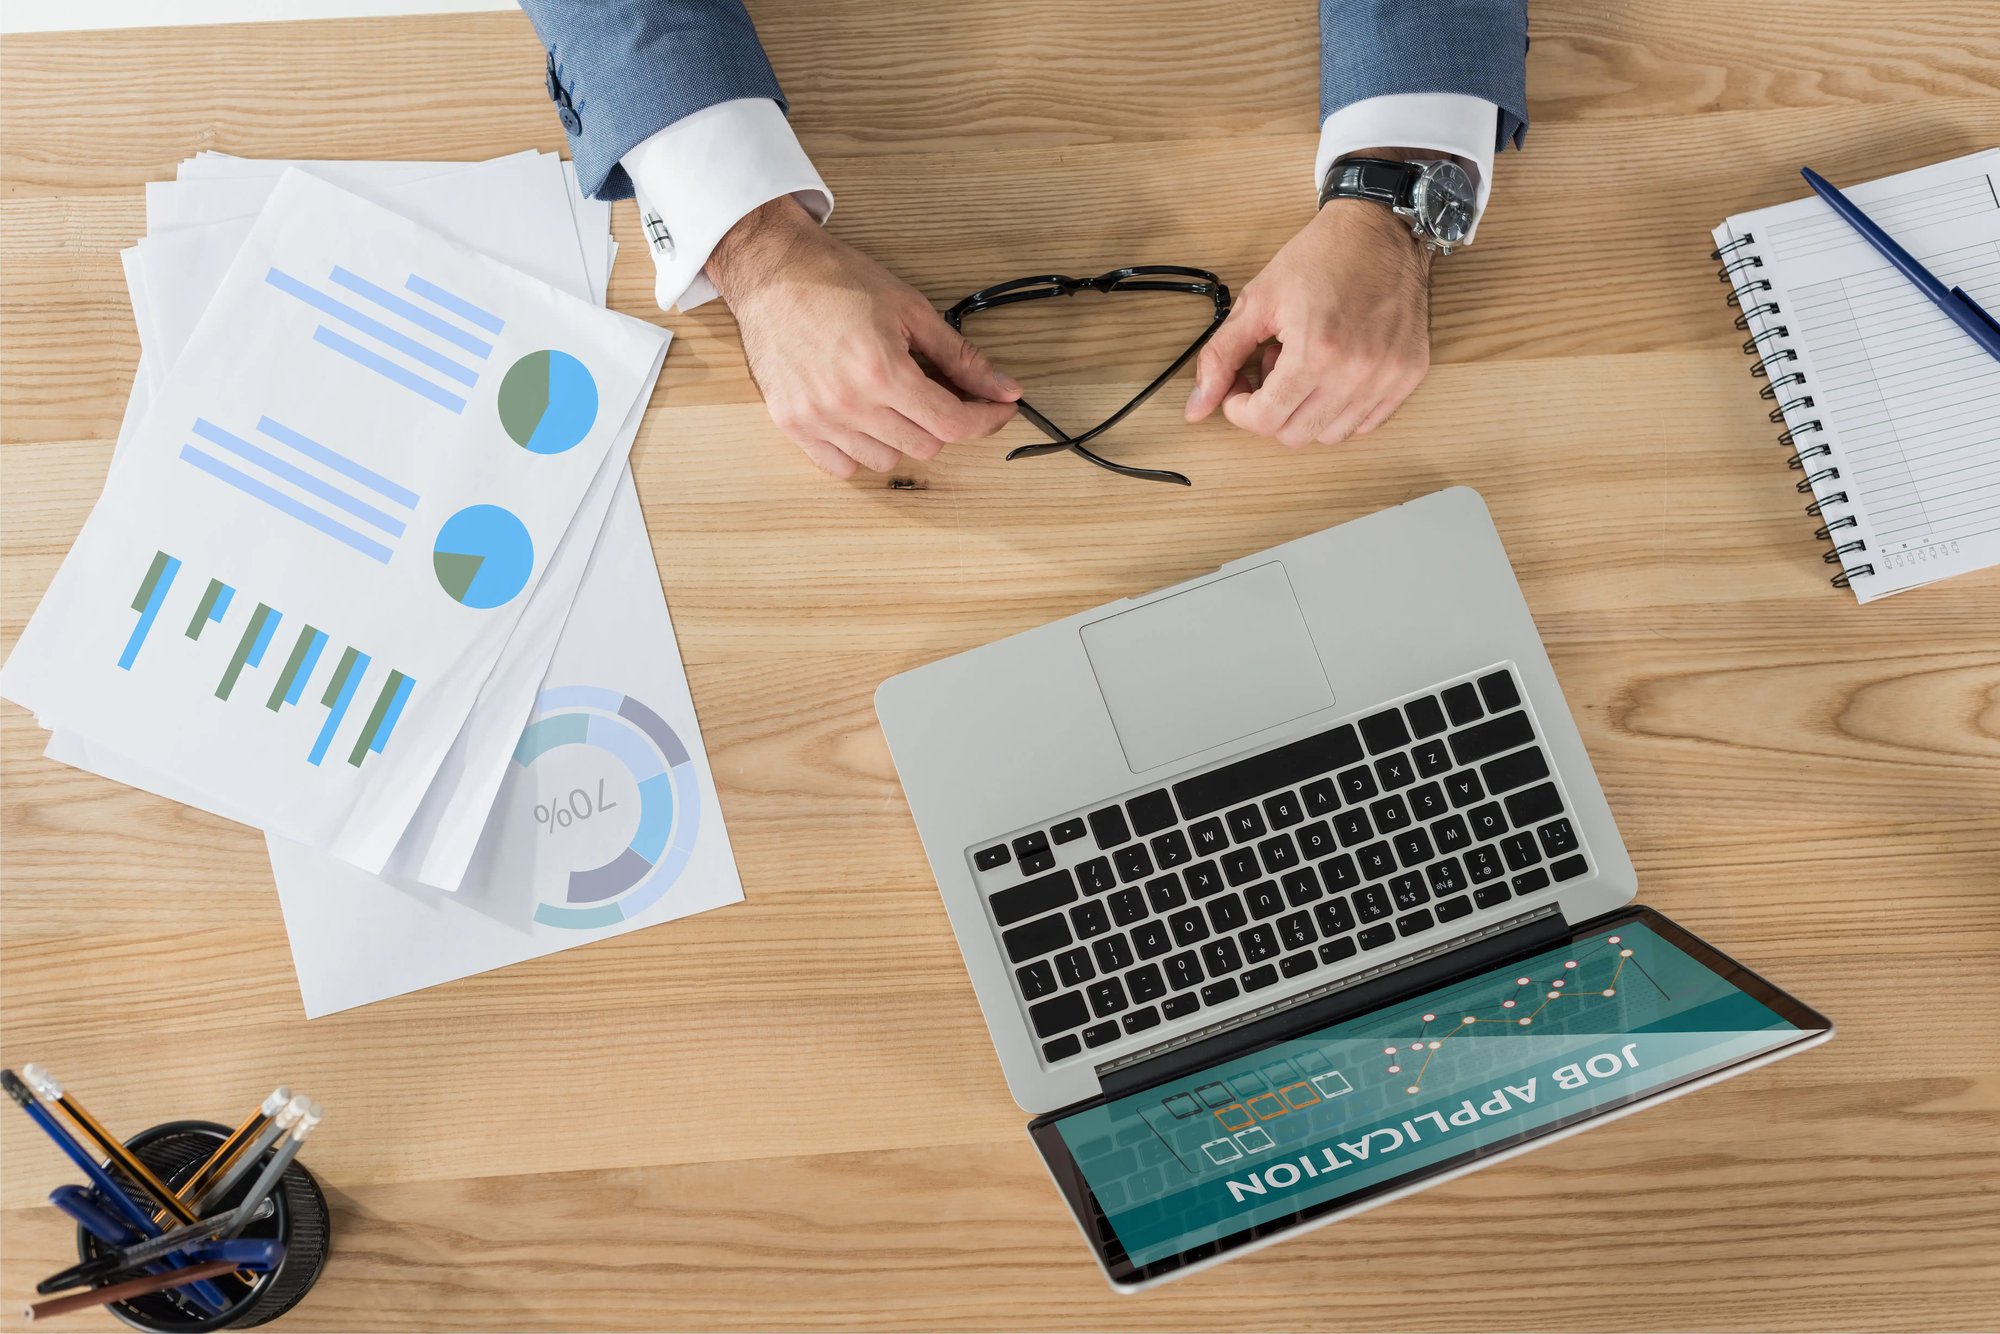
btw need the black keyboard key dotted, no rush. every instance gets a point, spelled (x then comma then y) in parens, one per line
(1259, 978)
(1426, 716)
(1372, 903)
(1446, 877)
(1463, 788)
(1215, 993)
(1499, 691)
(1227, 913)
(988, 858)
(1259, 943)
(1569, 868)
(1409, 891)
(1487, 821)
(1287, 766)
(1453, 908)
(1184, 971)
(1375, 937)
(1358, 783)
(1101, 1034)
(1301, 886)
(1335, 917)
(1451, 834)
(1320, 797)
(1152, 939)
(1042, 936)
(1557, 837)
(1488, 895)
(1283, 810)
(1520, 852)
(1296, 931)
(1529, 882)
(1179, 1007)
(1516, 770)
(1264, 900)
(1432, 758)
(1095, 875)
(1073, 967)
(1033, 899)
(1507, 732)
(1151, 813)
(1246, 823)
(1483, 864)
(1390, 815)
(1189, 926)
(1035, 863)
(1333, 951)
(1171, 849)
(1315, 840)
(1413, 847)
(1219, 957)
(1394, 771)
(1338, 873)
(1202, 879)
(1145, 983)
(1127, 906)
(1462, 703)
(1353, 827)
(1278, 854)
(1376, 860)
(1027, 845)
(1295, 965)
(1133, 862)
(1107, 997)
(1426, 801)
(1165, 893)
(1061, 1049)
(1411, 923)
(1113, 954)
(1240, 865)
(1209, 838)
(1534, 805)
(1058, 1015)
(1089, 919)
(1384, 731)
(1140, 1020)
(1108, 827)
(1036, 980)
(1069, 831)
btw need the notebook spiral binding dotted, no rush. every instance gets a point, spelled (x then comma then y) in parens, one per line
(1785, 384)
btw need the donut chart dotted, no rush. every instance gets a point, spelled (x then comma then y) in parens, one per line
(636, 738)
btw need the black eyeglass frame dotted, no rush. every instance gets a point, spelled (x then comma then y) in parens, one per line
(1133, 278)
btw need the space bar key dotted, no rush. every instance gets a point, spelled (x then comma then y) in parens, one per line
(1261, 774)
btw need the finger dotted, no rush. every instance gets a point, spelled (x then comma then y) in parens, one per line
(958, 360)
(894, 429)
(1266, 411)
(865, 450)
(1310, 418)
(1386, 409)
(941, 413)
(1216, 368)
(1348, 421)
(828, 459)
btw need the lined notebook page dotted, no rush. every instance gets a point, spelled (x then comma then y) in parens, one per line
(1909, 405)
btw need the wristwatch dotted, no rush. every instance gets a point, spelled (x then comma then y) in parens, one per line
(1436, 197)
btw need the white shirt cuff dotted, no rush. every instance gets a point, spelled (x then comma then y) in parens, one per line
(701, 175)
(1448, 123)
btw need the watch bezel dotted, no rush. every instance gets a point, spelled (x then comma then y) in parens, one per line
(1426, 208)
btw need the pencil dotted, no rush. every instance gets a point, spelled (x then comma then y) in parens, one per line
(49, 1090)
(118, 1292)
(227, 1152)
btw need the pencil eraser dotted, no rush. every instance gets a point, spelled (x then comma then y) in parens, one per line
(42, 1082)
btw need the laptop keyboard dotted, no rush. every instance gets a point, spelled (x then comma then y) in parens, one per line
(1270, 867)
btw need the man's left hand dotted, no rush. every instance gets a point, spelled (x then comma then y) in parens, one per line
(1339, 322)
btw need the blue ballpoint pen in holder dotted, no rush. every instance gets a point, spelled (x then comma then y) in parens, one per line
(1955, 302)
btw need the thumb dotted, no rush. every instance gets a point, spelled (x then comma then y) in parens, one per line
(1215, 369)
(959, 361)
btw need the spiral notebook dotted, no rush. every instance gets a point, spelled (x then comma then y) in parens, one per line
(1890, 414)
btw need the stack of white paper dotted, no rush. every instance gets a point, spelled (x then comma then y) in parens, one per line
(369, 572)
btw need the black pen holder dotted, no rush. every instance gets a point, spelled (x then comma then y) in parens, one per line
(300, 1218)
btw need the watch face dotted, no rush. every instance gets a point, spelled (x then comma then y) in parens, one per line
(1446, 202)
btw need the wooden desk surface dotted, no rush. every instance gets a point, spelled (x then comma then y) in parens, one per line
(787, 1114)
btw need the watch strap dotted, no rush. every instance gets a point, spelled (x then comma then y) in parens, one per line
(1379, 180)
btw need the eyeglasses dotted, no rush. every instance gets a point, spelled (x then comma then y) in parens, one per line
(1138, 278)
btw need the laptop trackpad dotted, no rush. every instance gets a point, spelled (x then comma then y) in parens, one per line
(1204, 667)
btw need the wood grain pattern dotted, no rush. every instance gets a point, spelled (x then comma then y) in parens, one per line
(1814, 785)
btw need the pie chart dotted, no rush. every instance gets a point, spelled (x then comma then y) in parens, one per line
(483, 556)
(547, 402)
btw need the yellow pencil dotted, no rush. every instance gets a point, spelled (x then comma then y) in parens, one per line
(48, 1090)
(227, 1152)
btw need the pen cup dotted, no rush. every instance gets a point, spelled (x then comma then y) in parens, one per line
(300, 1219)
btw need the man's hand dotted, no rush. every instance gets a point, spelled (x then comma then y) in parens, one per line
(1342, 315)
(831, 334)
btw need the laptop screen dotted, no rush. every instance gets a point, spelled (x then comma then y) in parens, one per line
(1274, 1137)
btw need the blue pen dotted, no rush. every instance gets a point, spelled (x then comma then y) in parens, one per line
(1962, 310)
(81, 1205)
(203, 1292)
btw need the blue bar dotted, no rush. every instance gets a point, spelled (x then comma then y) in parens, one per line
(146, 617)
(339, 709)
(389, 718)
(306, 667)
(339, 462)
(298, 477)
(221, 607)
(374, 328)
(263, 639)
(383, 366)
(457, 305)
(415, 314)
(284, 504)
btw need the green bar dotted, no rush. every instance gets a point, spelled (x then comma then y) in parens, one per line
(203, 608)
(250, 633)
(367, 737)
(160, 559)
(291, 669)
(347, 658)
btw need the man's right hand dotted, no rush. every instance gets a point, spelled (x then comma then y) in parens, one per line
(832, 339)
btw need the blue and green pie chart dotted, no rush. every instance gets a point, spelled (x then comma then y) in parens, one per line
(483, 556)
(548, 402)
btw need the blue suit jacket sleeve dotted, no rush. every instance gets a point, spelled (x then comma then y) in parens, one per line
(1369, 48)
(633, 67)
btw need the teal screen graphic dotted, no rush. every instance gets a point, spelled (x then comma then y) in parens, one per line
(483, 556)
(1372, 1098)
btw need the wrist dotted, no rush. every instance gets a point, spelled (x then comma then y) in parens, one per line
(1351, 222)
(759, 246)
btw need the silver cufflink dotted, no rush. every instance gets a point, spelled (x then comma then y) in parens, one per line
(657, 234)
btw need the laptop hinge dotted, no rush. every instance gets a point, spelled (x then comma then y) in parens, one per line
(1516, 937)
